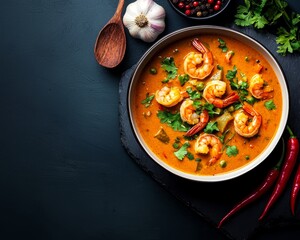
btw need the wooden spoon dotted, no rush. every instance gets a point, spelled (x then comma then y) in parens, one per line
(110, 44)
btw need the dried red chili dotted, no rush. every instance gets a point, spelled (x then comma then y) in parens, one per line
(264, 187)
(288, 166)
(295, 190)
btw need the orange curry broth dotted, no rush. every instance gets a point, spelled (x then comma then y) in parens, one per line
(148, 126)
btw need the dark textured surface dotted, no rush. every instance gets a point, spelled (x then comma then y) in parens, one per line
(63, 171)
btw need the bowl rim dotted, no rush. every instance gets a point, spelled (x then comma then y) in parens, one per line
(200, 18)
(193, 31)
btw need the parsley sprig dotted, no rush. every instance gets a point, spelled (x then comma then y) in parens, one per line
(265, 13)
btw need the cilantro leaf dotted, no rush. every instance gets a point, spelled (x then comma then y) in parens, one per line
(232, 151)
(210, 109)
(147, 101)
(182, 152)
(183, 79)
(190, 156)
(263, 13)
(168, 65)
(194, 94)
(173, 120)
(222, 45)
(231, 74)
(270, 105)
(287, 41)
(211, 127)
(243, 16)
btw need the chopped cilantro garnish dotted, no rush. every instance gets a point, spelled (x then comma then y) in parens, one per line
(183, 79)
(173, 120)
(211, 127)
(194, 94)
(182, 152)
(190, 156)
(251, 100)
(168, 65)
(270, 105)
(211, 109)
(237, 106)
(147, 101)
(222, 45)
(231, 73)
(232, 151)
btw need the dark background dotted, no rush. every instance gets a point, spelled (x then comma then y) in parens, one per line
(63, 171)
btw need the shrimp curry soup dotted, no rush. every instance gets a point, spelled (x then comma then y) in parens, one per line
(207, 104)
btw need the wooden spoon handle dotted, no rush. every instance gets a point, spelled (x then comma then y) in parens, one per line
(118, 12)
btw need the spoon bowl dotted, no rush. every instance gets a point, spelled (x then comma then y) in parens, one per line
(110, 44)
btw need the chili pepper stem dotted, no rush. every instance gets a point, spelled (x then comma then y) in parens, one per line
(290, 131)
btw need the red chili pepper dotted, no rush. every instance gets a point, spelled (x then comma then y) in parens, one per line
(288, 166)
(264, 187)
(295, 190)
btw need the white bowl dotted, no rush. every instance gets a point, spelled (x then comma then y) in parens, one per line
(207, 29)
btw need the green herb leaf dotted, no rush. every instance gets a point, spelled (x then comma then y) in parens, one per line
(183, 79)
(147, 101)
(173, 120)
(211, 127)
(232, 151)
(222, 45)
(231, 74)
(168, 65)
(190, 156)
(181, 152)
(270, 105)
(212, 111)
(194, 94)
(264, 13)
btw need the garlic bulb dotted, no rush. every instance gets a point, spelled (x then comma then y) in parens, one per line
(144, 19)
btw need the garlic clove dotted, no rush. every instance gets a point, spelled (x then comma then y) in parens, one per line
(144, 6)
(156, 12)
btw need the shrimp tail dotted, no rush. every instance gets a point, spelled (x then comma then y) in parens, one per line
(195, 129)
(204, 118)
(199, 45)
(212, 161)
(230, 99)
(249, 109)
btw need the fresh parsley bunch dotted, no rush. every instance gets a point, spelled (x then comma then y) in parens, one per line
(263, 13)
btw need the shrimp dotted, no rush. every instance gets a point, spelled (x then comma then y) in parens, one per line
(246, 126)
(168, 97)
(209, 143)
(258, 89)
(213, 92)
(198, 65)
(188, 114)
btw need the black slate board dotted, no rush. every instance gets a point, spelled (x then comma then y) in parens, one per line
(213, 200)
